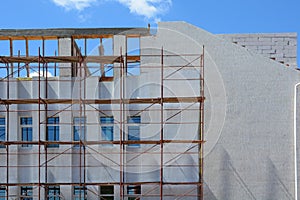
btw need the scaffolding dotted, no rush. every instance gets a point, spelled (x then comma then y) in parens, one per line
(44, 106)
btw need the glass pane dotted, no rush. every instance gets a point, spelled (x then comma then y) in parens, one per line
(106, 120)
(107, 189)
(107, 198)
(134, 189)
(79, 133)
(109, 70)
(107, 133)
(2, 121)
(53, 120)
(53, 193)
(26, 193)
(2, 133)
(134, 135)
(133, 131)
(26, 120)
(27, 134)
(79, 120)
(2, 193)
(133, 46)
(53, 133)
(134, 119)
(79, 193)
(133, 69)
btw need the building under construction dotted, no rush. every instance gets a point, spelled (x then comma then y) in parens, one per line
(118, 113)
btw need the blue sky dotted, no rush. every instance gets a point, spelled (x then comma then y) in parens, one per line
(225, 16)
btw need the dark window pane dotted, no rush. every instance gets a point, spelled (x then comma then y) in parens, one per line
(107, 198)
(26, 193)
(26, 120)
(133, 189)
(107, 189)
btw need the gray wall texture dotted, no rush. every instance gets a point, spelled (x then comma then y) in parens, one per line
(249, 116)
(281, 47)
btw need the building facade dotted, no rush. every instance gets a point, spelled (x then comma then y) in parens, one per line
(119, 114)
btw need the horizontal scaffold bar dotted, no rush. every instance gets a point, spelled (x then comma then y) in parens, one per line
(104, 101)
(67, 59)
(101, 183)
(100, 142)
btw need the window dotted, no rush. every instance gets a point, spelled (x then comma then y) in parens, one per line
(133, 49)
(2, 131)
(53, 193)
(26, 193)
(52, 131)
(107, 192)
(133, 69)
(133, 192)
(134, 130)
(79, 193)
(26, 130)
(108, 70)
(133, 46)
(2, 193)
(79, 129)
(107, 129)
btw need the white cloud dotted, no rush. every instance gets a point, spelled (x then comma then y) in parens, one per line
(74, 4)
(147, 8)
(84, 17)
(36, 74)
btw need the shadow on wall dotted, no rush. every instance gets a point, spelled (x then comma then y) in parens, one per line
(208, 194)
(275, 187)
(230, 179)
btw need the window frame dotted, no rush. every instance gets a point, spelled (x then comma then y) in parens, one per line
(108, 123)
(134, 192)
(56, 193)
(75, 196)
(133, 48)
(26, 188)
(133, 126)
(4, 129)
(107, 196)
(2, 194)
(82, 126)
(56, 132)
(26, 126)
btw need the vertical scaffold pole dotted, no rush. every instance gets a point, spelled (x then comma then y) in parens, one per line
(7, 131)
(39, 117)
(201, 128)
(121, 124)
(161, 122)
